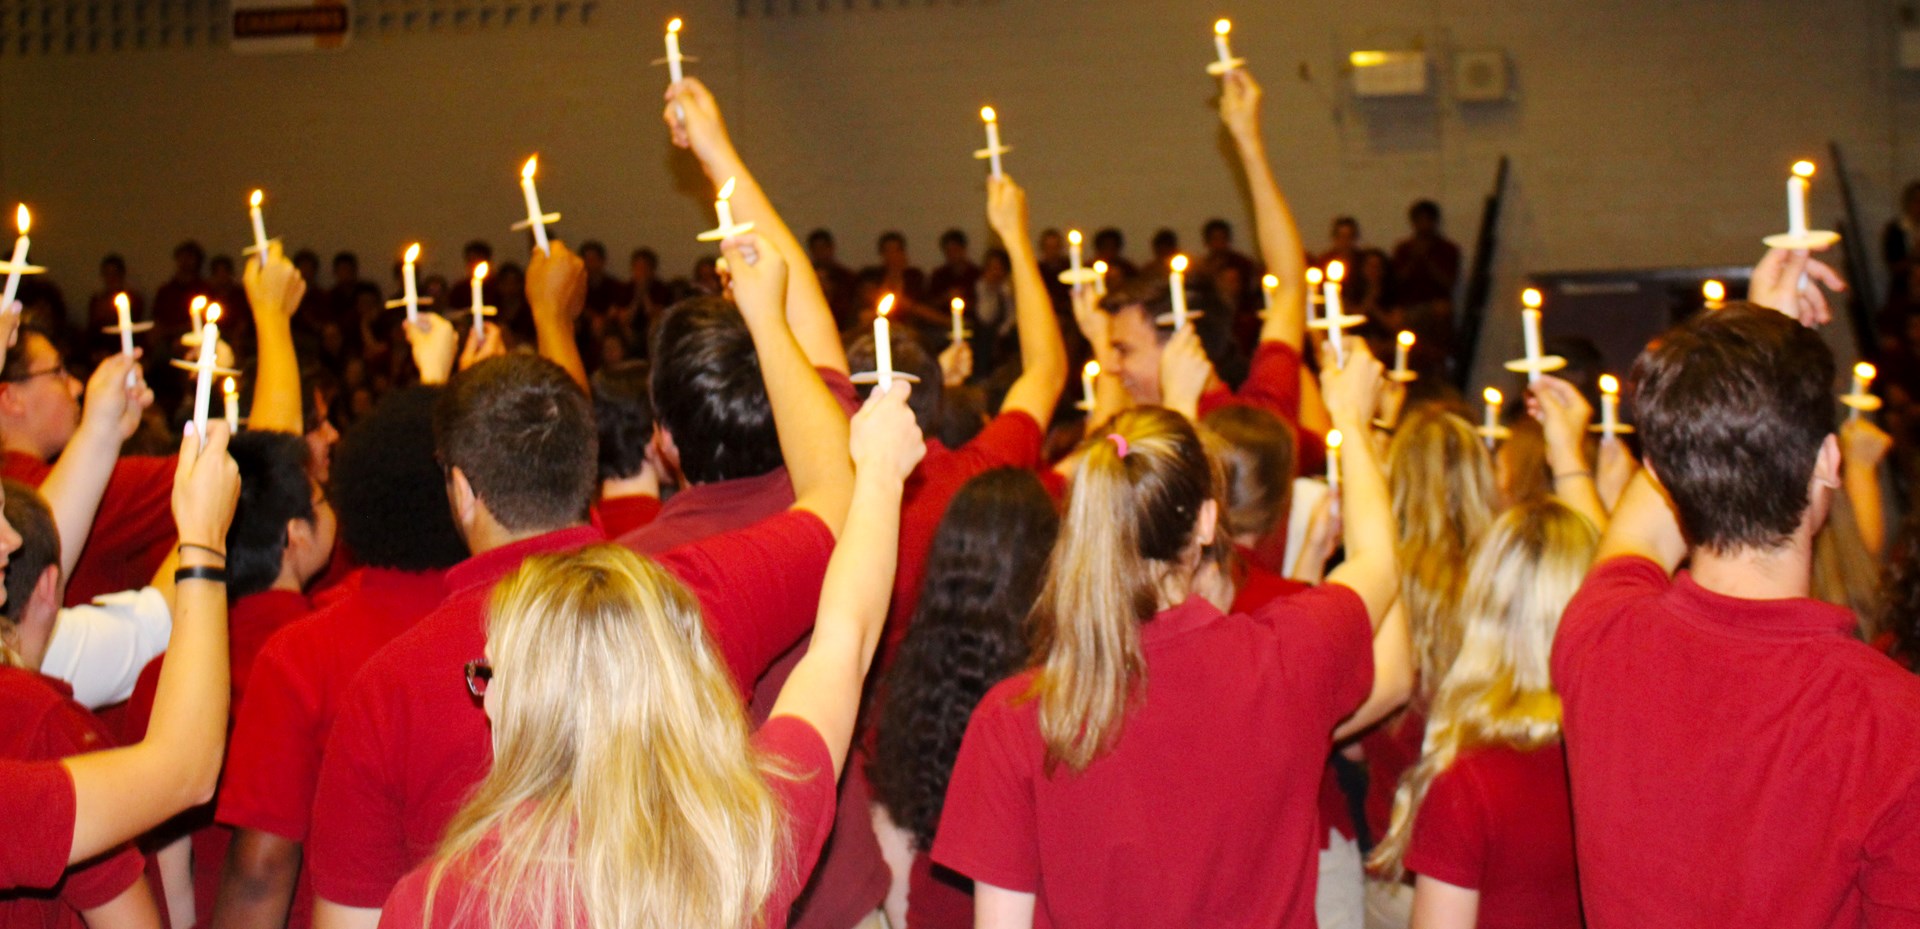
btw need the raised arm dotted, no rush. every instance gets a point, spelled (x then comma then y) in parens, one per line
(811, 424)
(1863, 445)
(1563, 415)
(1643, 525)
(824, 689)
(1043, 353)
(1366, 509)
(274, 293)
(1280, 248)
(556, 293)
(703, 132)
(73, 488)
(123, 792)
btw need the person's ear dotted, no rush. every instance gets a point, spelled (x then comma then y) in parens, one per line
(10, 401)
(300, 539)
(667, 452)
(460, 494)
(1826, 465)
(1207, 526)
(35, 629)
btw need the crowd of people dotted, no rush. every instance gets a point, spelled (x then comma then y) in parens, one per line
(651, 604)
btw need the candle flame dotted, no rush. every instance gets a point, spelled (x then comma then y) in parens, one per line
(121, 303)
(198, 304)
(1865, 371)
(1334, 438)
(987, 114)
(480, 271)
(1092, 369)
(674, 25)
(1178, 264)
(958, 305)
(1530, 298)
(1803, 169)
(1492, 396)
(413, 253)
(1609, 384)
(22, 218)
(1270, 282)
(1336, 271)
(256, 198)
(726, 190)
(213, 313)
(1714, 290)
(886, 304)
(1223, 27)
(526, 170)
(1315, 276)
(230, 387)
(1100, 267)
(1073, 236)
(1406, 338)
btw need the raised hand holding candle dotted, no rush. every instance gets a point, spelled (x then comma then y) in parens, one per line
(230, 395)
(959, 308)
(1858, 399)
(123, 308)
(1715, 294)
(536, 220)
(1402, 344)
(1334, 441)
(203, 369)
(259, 227)
(673, 50)
(1177, 286)
(18, 263)
(1530, 301)
(1227, 62)
(723, 208)
(883, 344)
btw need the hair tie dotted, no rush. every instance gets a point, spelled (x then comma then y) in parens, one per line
(1119, 443)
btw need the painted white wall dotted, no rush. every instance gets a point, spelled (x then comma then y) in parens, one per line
(1643, 132)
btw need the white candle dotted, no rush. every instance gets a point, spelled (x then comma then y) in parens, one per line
(479, 305)
(993, 138)
(1863, 374)
(1715, 294)
(197, 312)
(1088, 375)
(883, 345)
(1336, 313)
(1402, 343)
(1609, 406)
(673, 50)
(1073, 256)
(1492, 396)
(722, 204)
(203, 368)
(1334, 440)
(534, 216)
(230, 395)
(1797, 198)
(1269, 286)
(1530, 330)
(24, 219)
(1220, 30)
(412, 286)
(1177, 286)
(1316, 279)
(259, 226)
(959, 307)
(1100, 280)
(124, 309)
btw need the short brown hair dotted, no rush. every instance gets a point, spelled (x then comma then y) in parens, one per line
(1256, 451)
(522, 432)
(1733, 407)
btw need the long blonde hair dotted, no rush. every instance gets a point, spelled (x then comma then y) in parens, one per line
(1499, 691)
(1127, 540)
(1441, 478)
(624, 787)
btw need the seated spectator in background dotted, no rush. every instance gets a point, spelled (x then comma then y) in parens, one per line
(837, 281)
(647, 294)
(956, 277)
(604, 291)
(990, 307)
(1108, 246)
(101, 311)
(223, 287)
(343, 296)
(629, 480)
(1369, 289)
(1344, 247)
(1426, 267)
(1053, 260)
(1165, 244)
(1220, 255)
(1900, 245)
(171, 300)
(896, 276)
(474, 252)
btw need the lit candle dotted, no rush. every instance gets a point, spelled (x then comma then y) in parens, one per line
(993, 138)
(230, 394)
(535, 219)
(1492, 396)
(124, 308)
(1177, 286)
(1609, 406)
(673, 50)
(1334, 439)
(203, 368)
(479, 305)
(1088, 375)
(1220, 30)
(1797, 198)
(1715, 294)
(883, 345)
(1073, 254)
(1269, 286)
(1100, 279)
(412, 287)
(1335, 313)
(1315, 279)
(259, 227)
(1403, 342)
(959, 308)
(197, 312)
(1530, 301)
(19, 261)
(722, 204)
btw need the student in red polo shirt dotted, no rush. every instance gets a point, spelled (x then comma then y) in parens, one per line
(1737, 758)
(1114, 783)
(516, 438)
(391, 502)
(629, 477)
(675, 816)
(1484, 818)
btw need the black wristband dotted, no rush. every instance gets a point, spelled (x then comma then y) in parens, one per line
(216, 575)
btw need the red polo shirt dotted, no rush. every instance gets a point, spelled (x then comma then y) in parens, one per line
(1735, 762)
(39, 808)
(1273, 384)
(410, 741)
(133, 530)
(293, 695)
(1204, 811)
(40, 722)
(250, 623)
(806, 805)
(621, 515)
(1498, 821)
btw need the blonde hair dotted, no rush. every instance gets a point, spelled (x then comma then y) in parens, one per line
(1499, 691)
(624, 791)
(1127, 540)
(1441, 478)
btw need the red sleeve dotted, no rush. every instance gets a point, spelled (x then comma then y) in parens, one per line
(139, 706)
(1609, 592)
(841, 386)
(1449, 841)
(1326, 641)
(66, 731)
(988, 827)
(406, 907)
(806, 793)
(357, 850)
(133, 530)
(1890, 876)
(759, 587)
(1273, 384)
(273, 759)
(1011, 440)
(621, 515)
(38, 808)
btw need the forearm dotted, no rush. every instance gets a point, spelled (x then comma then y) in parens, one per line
(808, 313)
(1280, 248)
(1643, 525)
(1862, 485)
(277, 406)
(257, 882)
(553, 333)
(330, 915)
(811, 425)
(1574, 485)
(132, 909)
(74, 487)
(1392, 675)
(1043, 353)
(1366, 513)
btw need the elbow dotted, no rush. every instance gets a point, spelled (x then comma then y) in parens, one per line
(1397, 688)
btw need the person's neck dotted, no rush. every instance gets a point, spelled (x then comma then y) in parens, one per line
(14, 440)
(1781, 573)
(289, 581)
(485, 538)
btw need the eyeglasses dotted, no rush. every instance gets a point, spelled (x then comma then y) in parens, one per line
(479, 675)
(34, 375)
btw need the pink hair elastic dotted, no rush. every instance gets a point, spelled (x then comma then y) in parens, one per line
(1119, 443)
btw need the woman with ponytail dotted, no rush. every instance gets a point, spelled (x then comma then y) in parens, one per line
(1484, 818)
(1158, 762)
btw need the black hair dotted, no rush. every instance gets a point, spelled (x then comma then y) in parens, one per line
(306, 256)
(652, 257)
(594, 246)
(113, 260)
(984, 571)
(910, 356)
(708, 394)
(274, 490)
(39, 549)
(819, 235)
(1426, 208)
(388, 492)
(478, 247)
(1166, 238)
(953, 236)
(894, 237)
(346, 258)
(1339, 221)
(221, 261)
(17, 365)
(1216, 225)
(623, 413)
(190, 247)
(521, 431)
(1109, 235)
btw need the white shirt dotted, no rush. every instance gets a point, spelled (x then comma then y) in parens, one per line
(100, 647)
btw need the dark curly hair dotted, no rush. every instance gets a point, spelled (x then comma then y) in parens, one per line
(388, 490)
(969, 632)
